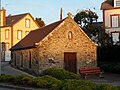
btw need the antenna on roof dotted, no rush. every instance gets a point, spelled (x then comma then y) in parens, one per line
(60, 14)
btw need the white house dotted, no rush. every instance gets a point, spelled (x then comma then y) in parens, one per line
(111, 19)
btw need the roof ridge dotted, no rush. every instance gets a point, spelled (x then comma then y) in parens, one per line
(49, 24)
(17, 15)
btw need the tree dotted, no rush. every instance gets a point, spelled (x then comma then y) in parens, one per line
(87, 20)
(40, 22)
(85, 17)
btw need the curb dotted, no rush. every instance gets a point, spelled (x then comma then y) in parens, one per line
(6, 85)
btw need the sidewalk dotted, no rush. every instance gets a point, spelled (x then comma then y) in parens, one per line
(6, 85)
(108, 78)
(7, 69)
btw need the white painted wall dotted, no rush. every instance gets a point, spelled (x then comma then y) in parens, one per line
(107, 16)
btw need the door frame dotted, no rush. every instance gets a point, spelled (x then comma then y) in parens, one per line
(75, 59)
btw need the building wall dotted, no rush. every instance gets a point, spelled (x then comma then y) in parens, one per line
(13, 32)
(3, 39)
(107, 16)
(21, 26)
(56, 43)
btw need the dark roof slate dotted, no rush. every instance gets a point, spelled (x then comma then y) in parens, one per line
(11, 20)
(109, 4)
(35, 36)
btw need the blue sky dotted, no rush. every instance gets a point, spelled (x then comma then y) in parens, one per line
(49, 10)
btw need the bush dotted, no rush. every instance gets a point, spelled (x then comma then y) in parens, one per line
(7, 78)
(106, 87)
(48, 82)
(24, 80)
(78, 85)
(110, 67)
(60, 74)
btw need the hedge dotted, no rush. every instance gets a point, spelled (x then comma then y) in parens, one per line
(60, 74)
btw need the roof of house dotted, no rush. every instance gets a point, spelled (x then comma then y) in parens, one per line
(108, 4)
(11, 20)
(35, 36)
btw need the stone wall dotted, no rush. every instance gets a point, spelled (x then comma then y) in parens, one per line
(50, 51)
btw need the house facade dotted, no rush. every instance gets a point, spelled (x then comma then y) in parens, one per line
(111, 19)
(62, 44)
(13, 29)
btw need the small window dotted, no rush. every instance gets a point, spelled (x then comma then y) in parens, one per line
(118, 3)
(27, 23)
(26, 33)
(19, 34)
(7, 31)
(115, 22)
(115, 37)
(70, 35)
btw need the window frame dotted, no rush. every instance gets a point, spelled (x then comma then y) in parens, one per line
(18, 34)
(117, 2)
(117, 32)
(118, 20)
(27, 25)
(7, 34)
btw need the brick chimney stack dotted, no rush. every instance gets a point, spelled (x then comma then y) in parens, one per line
(60, 13)
(3, 16)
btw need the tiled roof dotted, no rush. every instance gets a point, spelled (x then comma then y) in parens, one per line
(35, 36)
(11, 20)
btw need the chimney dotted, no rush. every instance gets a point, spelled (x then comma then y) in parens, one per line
(3, 16)
(60, 14)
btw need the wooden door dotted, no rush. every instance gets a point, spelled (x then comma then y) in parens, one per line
(70, 62)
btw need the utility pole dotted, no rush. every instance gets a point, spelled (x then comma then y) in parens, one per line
(0, 40)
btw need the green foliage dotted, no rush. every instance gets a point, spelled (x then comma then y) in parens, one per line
(48, 82)
(78, 85)
(7, 78)
(60, 73)
(118, 87)
(106, 87)
(86, 20)
(85, 17)
(24, 80)
(110, 66)
(52, 83)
